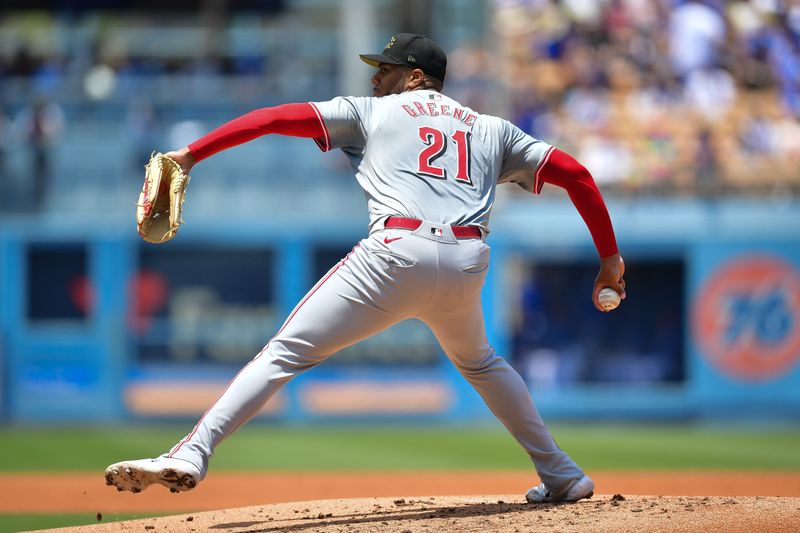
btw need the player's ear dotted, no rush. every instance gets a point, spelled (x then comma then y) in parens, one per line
(416, 78)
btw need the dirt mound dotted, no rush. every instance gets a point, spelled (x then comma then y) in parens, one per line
(486, 513)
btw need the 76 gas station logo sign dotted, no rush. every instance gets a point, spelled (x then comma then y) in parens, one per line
(746, 318)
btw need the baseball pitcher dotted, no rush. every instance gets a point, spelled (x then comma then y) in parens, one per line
(429, 167)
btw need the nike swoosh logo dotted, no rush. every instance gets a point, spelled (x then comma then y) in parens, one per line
(387, 240)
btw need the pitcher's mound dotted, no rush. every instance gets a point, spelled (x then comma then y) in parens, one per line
(504, 513)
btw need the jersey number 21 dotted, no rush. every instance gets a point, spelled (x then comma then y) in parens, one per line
(436, 145)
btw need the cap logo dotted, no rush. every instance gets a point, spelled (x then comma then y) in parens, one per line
(411, 59)
(390, 43)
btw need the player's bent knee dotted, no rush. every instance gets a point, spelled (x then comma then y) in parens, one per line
(486, 361)
(293, 354)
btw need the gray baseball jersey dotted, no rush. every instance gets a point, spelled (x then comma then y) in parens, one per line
(429, 157)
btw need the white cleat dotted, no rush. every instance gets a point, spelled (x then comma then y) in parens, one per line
(135, 476)
(580, 489)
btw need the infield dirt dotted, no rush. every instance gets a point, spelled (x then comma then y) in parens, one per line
(403, 502)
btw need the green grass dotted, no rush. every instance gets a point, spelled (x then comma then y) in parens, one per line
(26, 522)
(261, 447)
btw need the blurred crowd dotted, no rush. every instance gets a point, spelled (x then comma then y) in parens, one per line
(676, 97)
(92, 94)
(696, 96)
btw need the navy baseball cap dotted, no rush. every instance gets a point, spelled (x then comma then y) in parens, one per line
(412, 50)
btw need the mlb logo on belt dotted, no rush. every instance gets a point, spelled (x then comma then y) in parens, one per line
(437, 232)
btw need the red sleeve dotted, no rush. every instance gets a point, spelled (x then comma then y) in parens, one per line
(563, 170)
(296, 120)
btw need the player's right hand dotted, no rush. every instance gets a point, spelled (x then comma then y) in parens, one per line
(612, 268)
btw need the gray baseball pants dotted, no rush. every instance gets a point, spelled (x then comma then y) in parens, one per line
(390, 276)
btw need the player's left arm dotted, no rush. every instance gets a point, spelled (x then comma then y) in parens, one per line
(295, 120)
(561, 169)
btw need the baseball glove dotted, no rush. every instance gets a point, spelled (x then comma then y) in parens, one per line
(158, 211)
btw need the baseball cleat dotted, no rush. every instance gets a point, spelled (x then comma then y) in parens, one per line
(580, 489)
(135, 476)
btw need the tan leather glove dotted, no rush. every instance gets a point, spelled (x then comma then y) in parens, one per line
(158, 211)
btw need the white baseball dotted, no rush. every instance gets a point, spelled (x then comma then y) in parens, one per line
(608, 298)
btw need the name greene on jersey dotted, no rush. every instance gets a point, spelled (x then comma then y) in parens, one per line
(435, 109)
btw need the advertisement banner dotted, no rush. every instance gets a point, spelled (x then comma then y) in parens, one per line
(745, 325)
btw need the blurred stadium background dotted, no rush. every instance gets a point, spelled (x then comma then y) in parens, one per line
(686, 112)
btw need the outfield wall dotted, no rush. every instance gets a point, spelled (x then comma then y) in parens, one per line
(97, 326)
